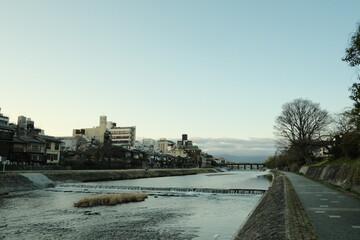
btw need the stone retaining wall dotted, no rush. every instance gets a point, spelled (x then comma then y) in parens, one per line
(279, 215)
(346, 176)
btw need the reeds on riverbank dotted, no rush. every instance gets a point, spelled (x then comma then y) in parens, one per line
(110, 199)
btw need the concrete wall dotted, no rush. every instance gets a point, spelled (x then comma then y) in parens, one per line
(346, 176)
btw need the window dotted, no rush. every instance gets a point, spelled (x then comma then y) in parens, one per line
(57, 146)
(52, 157)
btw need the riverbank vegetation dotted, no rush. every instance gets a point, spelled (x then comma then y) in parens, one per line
(309, 135)
(110, 199)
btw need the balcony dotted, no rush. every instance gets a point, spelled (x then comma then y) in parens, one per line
(35, 149)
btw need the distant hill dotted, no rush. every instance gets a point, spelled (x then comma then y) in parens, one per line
(244, 158)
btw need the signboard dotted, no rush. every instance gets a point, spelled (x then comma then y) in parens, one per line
(4, 162)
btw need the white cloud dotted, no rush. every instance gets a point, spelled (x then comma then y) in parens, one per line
(235, 146)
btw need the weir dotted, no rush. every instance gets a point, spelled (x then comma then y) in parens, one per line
(161, 189)
(39, 179)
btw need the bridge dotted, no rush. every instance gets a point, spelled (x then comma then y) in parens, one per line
(244, 166)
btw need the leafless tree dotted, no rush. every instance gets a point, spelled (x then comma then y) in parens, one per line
(343, 123)
(80, 145)
(301, 124)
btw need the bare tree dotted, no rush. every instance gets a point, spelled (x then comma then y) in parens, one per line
(343, 123)
(80, 145)
(301, 125)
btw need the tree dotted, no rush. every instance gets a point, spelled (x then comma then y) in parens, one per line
(343, 123)
(353, 51)
(301, 125)
(350, 144)
(355, 111)
(353, 58)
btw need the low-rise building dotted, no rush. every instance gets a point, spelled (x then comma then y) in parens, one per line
(28, 150)
(52, 149)
(6, 141)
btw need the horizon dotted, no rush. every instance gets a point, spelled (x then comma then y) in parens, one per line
(219, 71)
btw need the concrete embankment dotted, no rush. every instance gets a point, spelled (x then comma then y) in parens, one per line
(18, 181)
(279, 215)
(346, 176)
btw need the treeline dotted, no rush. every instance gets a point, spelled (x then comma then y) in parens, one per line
(306, 133)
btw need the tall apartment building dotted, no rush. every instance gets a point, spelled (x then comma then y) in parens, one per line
(123, 136)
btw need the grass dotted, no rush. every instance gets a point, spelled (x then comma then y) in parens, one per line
(110, 199)
(341, 161)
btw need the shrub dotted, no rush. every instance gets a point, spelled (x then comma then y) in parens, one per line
(110, 199)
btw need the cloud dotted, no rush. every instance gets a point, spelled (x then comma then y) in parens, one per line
(235, 146)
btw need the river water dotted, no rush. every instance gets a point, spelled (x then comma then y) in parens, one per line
(165, 214)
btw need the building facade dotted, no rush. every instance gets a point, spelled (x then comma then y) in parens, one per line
(164, 145)
(4, 120)
(123, 136)
(52, 149)
(96, 133)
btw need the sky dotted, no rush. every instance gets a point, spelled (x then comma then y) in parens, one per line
(218, 70)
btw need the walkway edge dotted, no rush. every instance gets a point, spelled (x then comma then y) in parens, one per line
(279, 215)
(298, 225)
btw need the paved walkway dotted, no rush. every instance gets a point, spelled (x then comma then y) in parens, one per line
(333, 214)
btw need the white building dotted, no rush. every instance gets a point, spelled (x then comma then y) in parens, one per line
(123, 136)
(165, 145)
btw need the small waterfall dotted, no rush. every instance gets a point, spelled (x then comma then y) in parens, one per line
(39, 179)
(161, 189)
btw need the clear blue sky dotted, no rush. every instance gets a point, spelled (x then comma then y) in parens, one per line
(211, 69)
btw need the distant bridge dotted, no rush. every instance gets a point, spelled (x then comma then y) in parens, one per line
(244, 166)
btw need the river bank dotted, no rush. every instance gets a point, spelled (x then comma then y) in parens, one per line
(14, 181)
(279, 215)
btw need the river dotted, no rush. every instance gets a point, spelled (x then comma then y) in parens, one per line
(193, 213)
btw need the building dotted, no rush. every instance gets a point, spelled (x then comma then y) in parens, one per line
(6, 141)
(96, 133)
(52, 149)
(184, 141)
(123, 136)
(4, 120)
(177, 152)
(107, 131)
(149, 145)
(164, 145)
(28, 150)
(23, 144)
(26, 127)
